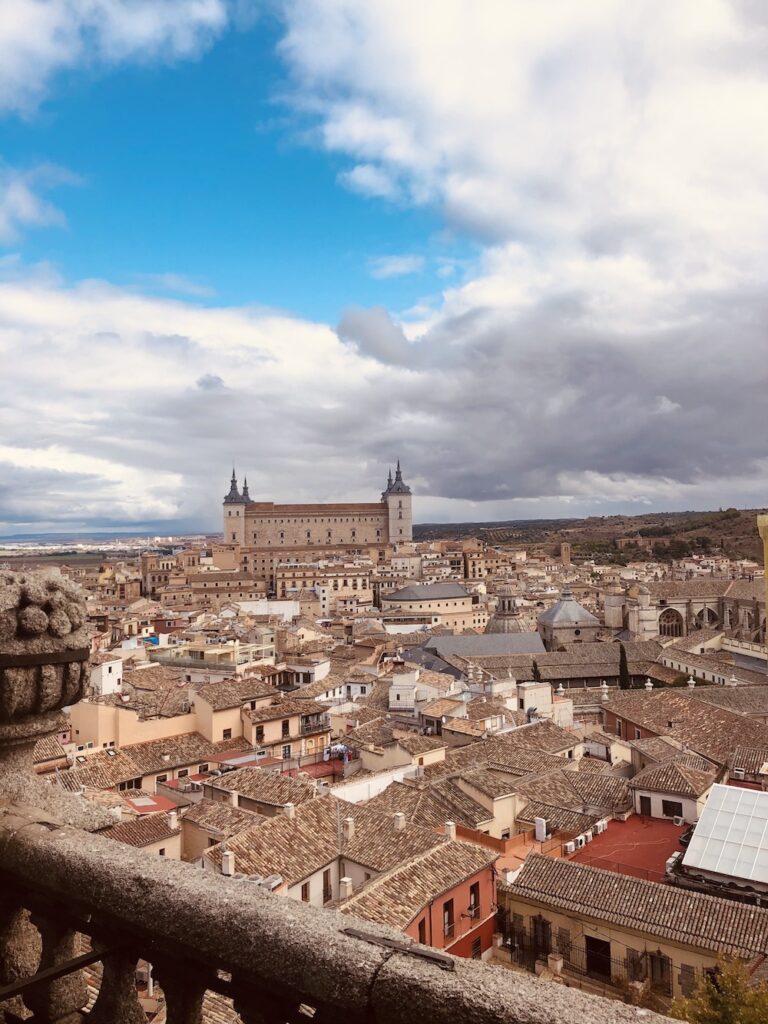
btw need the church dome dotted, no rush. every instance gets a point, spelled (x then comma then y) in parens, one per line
(567, 612)
(501, 623)
(504, 619)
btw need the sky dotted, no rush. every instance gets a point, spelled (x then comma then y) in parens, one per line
(522, 247)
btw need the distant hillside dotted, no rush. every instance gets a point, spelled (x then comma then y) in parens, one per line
(662, 535)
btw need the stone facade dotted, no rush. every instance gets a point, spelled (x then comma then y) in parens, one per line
(263, 524)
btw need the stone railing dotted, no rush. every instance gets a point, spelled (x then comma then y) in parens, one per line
(278, 960)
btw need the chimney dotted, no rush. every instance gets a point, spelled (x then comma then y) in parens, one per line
(399, 821)
(289, 810)
(648, 685)
(173, 820)
(349, 831)
(450, 829)
(228, 863)
(345, 884)
(234, 797)
(691, 682)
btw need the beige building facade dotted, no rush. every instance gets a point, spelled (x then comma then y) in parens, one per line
(268, 527)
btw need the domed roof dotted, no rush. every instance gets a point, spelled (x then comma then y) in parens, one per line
(501, 623)
(568, 612)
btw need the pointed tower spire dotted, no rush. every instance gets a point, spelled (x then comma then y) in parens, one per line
(398, 486)
(246, 496)
(234, 494)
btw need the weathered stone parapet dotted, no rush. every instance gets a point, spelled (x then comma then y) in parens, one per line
(275, 953)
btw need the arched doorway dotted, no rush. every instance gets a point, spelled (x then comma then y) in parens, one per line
(671, 623)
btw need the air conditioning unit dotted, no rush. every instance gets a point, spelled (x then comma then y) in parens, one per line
(581, 842)
(599, 827)
(588, 836)
(739, 773)
(570, 847)
(678, 820)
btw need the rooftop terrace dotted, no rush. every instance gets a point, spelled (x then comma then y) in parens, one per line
(639, 847)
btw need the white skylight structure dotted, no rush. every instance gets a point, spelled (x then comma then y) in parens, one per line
(731, 837)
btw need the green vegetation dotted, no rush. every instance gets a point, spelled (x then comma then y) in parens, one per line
(728, 999)
(624, 679)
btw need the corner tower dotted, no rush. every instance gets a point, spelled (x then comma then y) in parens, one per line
(398, 500)
(234, 513)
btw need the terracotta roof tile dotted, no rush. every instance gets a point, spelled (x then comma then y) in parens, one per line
(673, 777)
(398, 896)
(265, 786)
(143, 830)
(706, 922)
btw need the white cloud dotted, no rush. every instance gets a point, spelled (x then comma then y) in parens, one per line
(122, 407)
(178, 284)
(624, 148)
(40, 37)
(21, 203)
(370, 181)
(382, 267)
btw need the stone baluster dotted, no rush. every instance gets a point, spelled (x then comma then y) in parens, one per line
(183, 993)
(20, 947)
(118, 1001)
(261, 1007)
(60, 1000)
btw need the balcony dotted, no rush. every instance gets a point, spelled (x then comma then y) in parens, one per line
(276, 958)
(309, 727)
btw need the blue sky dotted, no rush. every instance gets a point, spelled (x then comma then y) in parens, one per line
(521, 247)
(201, 169)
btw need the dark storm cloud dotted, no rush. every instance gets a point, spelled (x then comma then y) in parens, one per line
(509, 406)
(487, 406)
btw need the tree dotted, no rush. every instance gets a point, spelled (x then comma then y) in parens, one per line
(728, 998)
(536, 671)
(624, 680)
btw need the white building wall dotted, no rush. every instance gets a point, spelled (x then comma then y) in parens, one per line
(690, 807)
(107, 678)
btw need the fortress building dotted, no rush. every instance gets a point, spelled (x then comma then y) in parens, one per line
(265, 532)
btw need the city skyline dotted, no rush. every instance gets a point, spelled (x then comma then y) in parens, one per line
(230, 233)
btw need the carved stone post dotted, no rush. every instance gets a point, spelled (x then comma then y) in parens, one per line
(44, 655)
(44, 666)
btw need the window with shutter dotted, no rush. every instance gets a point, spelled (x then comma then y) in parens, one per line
(687, 979)
(635, 968)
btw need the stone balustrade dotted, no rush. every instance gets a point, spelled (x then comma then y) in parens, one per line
(279, 960)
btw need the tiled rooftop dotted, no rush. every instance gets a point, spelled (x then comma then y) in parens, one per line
(396, 897)
(706, 922)
(265, 786)
(296, 848)
(141, 831)
(674, 777)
